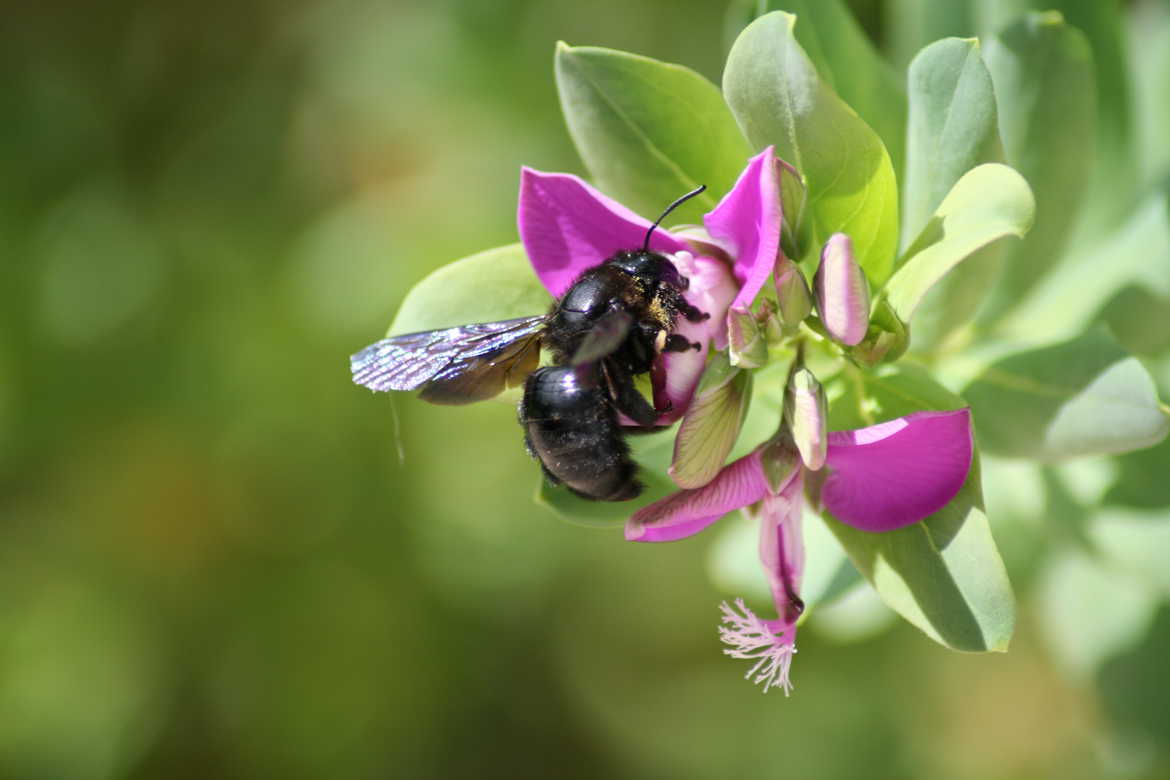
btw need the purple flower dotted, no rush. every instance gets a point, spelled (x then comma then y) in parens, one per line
(567, 227)
(878, 478)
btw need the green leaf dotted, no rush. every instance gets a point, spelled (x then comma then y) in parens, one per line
(1067, 517)
(1131, 263)
(1139, 319)
(1083, 397)
(952, 126)
(649, 131)
(987, 203)
(917, 22)
(850, 65)
(1043, 75)
(1015, 495)
(1102, 25)
(777, 98)
(1112, 187)
(943, 574)
(494, 285)
(912, 24)
(858, 400)
(1141, 480)
(1149, 60)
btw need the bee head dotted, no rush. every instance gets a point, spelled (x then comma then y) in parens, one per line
(650, 268)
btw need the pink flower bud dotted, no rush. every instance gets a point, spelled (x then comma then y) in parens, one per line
(842, 293)
(807, 413)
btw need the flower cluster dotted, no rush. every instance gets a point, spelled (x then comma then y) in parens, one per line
(878, 478)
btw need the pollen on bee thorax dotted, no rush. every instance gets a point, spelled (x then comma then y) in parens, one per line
(658, 311)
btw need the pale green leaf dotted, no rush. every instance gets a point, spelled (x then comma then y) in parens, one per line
(777, 98)
(1141, 478)
(1148, 31)
(1043, 75)
(943, 574)
(988, 203)
(1105, 278)
(858, 400)
(952, 126)
(498, 284)
(649, 131)
(1082, 397)
(1112, 187)
(849, 63)
(913, 24)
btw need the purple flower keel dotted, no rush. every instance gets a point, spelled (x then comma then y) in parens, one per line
(879, 478)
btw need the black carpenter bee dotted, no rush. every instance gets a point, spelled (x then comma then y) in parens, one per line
(606, 330)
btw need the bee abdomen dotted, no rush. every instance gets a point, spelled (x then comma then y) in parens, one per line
(571, 427)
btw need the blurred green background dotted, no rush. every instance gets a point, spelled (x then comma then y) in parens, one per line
(219, 558)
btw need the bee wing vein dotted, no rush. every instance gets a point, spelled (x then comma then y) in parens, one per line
(480, 351)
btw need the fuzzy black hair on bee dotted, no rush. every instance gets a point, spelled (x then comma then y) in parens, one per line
(605, 331)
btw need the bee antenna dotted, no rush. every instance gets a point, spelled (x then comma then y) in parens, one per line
(665, 214)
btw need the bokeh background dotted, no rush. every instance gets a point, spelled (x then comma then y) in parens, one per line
(219, 558)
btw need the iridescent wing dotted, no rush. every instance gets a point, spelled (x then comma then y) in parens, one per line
(454, 365)
(604, 338)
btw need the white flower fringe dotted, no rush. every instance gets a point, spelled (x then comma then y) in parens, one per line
(752, 639)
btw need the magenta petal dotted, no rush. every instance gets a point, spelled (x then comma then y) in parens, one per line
(568, 227)
(747, 222)
(687, 512)
(896, 473)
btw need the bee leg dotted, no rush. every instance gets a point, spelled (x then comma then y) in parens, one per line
(691, 313)
(676, 342)
(626, 398)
